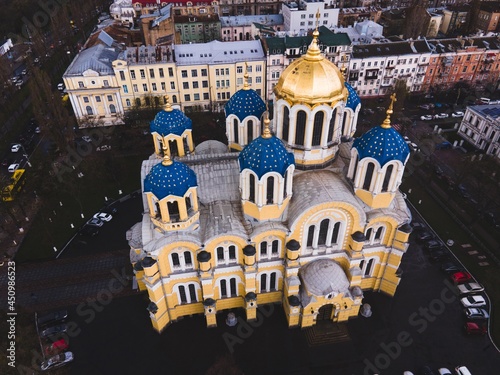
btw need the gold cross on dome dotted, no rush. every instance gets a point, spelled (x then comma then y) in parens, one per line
(318, 15)
(393, 99)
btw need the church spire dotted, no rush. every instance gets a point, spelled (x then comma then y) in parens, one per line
(266, 133)
(166, 157)
(387, 122)
(313, 52)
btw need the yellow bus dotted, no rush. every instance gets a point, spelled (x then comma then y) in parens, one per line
(17, 181)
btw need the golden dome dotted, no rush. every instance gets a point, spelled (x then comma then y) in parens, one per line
(311, 79)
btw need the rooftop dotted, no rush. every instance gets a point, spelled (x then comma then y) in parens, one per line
(269, 20)
(217, 52)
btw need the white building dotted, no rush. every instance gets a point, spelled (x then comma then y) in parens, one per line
(364, 32)
(300, 17)
(247, 27)
(481, 128)
(5, 46)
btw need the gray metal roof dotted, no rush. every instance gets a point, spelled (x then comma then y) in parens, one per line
(217, 52)
(98, 58)
(268, 20)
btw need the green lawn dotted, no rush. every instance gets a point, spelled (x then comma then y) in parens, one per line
(447, 228)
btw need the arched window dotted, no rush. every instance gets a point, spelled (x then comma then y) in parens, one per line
(188, 260)
(157, 101)
(270, 190)
(323, 231)
(344, 121)
(286, 123)
(182, 294)
(192, 293)
(235, 131)
(172, 144)
(173, 210)
(275, 247)
(158, 211)
(335, 233)
(89, 110)
(263, 248)
(249, 131)
(368, 234)
(378, 233)
(185, 144)
(318, 128)
(368, 268)
(175, 260)
(387, 177)
(137, 102)
(285, 185)
(356, 159)
(300, 128)
(127, 102)
(310, 235)
(331, 127)
(263, 282)
(368, 176)
(251, 194)
(174, 98)
(188, 203)
(112, 108)
(268, 282)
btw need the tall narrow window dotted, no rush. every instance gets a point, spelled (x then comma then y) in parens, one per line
(368, 268)
(232, 282)
(310, 235)
(285, 185)
(187, 258)
(344, 122)
(272, 283)
(249, 131)
(286, 123)
(251, 195)
(175, 259)
(223, 288)
(182, 294)
(323, 231)
(368, 234)
(112, 108)
(355, 167)
(263, 282)
(335, 233)
(158, 210)
(270, 190)
(235, 131)
(275, 247)
(173, 210)
(387, 177)
(331, 127)
(188, 203)
(318, 128)
(232, 252)
(368, 176)
(300, 128)
(172, 144)
(263, 248)
(378, 233)
(192, 293)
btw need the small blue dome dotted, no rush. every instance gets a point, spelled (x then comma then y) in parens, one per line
(245, 102)
(174, 179)
(170, 122)
(353, 98)
(264, 155)
(382, 144)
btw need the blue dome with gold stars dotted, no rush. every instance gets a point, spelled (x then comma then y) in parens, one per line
(245, 102)
(383, 144)
(171, 179)
(170, 121)
(352, 97)
(264, 155)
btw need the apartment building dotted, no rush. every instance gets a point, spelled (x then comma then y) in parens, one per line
(281, 51)
(488, 17)
(197, 28)
(481, 128)
(247, 27)
(301, 17)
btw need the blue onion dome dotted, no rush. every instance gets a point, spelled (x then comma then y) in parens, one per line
(383, 143)
(170, 121)
(245, 102)
(352, 97)
(266, 154)
(169, 178)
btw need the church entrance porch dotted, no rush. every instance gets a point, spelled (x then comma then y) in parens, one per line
(325, 332)
(325, 313)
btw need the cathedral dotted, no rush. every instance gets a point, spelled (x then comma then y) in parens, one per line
(291, 211)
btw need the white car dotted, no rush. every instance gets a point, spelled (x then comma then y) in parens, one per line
(13, 167)
(457, 114)
(16, 147)
(87, 139)
(56, 361)
(441, 115)
(444, 371)
(407, 140)
(473, 301)
(426, 117)
(103, 216)
(468, 288)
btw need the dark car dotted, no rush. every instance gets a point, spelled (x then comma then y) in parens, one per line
(439, 255)
(54, 330)
(426, 370)
(89, 231)
(450, 267)
(418, 227)
(433, 245)
(425, 236)
(52, 317)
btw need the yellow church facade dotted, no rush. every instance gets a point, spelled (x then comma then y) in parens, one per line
(292, 211)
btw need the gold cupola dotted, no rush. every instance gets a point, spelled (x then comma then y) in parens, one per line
(311, 79)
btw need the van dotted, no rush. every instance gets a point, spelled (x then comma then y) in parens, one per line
(60, 87)
(488, 101)
(462, 370)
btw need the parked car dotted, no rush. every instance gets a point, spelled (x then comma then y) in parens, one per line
(473, 328)
(413, 146)
(426, 106)
(52, 317)
(450, 267)
(426, 117)
(444, 145)
(444, 371)
(470, 288)
(461, 277)
(95, 222)
(55, 347)
(53, 330)
(441, 116)
(439, 255)
(13, 167)
(103, 216)
(89, 230)
(407, 139)
(418, 227)
(425, 236)
(462, 370)
(473, 301)
(56, 361)
(433, 245)
(457, 114)
(476, 313)
(15, 147)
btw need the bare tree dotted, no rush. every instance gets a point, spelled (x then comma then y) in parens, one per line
(416, 20)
